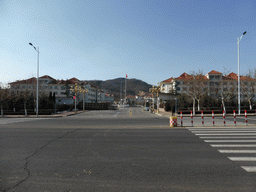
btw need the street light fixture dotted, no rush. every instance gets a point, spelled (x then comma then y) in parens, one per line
(83, 90)
(239, 99)
(37, 50)
(155, 90)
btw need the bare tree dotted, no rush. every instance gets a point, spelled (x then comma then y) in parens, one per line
(198, 86)
(248, 89)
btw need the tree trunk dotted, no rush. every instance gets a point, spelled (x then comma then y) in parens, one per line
(198, 106)
(250, 103)
(223, 104)
(25, 109)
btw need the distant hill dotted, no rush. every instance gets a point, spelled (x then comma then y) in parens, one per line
(113, 86)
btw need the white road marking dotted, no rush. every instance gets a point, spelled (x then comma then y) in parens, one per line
(242, 158)
(116, 114)
(228, 128)
(225, 134)
(234, 145)
(237, 137)
(231, 135)
(224, 131)
(249, 168)
(237, 151)
(230, 141)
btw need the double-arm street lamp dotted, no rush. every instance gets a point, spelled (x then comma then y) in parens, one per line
(83, 90)
(239, 99)
(37, 50)
(75, 88)
(155, 90)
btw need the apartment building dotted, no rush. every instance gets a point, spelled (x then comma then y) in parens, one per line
(61, 88)
(213, 83)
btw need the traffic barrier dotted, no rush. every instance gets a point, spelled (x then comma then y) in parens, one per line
(234, 112)
(202, 114)
(191, 118)
(173, 121)
(213, 123)
(245, 114)
(224, 122)
(181, 119)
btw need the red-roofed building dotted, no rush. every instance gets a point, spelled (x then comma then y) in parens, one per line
(61, 88)
(213, 83)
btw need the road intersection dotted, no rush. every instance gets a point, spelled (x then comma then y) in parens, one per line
(113, 151)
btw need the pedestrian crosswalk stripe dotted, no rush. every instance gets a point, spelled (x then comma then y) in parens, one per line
(234, 145)
(232, 137)
(225, 134)
(237, 151)
(230, 141)
(224, 131)
(242, 158)
(249, 168)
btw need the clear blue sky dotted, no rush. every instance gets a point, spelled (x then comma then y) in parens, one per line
(151, 40)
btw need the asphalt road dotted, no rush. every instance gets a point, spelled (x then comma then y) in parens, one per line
(120, 151)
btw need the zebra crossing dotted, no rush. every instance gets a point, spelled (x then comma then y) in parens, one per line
(239, 143)
(4, 121)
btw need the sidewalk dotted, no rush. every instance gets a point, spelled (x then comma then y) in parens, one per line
(62, 114)
(168, 114)
(208, 122)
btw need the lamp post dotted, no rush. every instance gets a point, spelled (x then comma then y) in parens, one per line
(37, 50)
(239, 99)
(83, 90)
(156, 90)
(75, 88)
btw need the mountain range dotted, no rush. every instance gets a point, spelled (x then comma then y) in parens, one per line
(116, 86)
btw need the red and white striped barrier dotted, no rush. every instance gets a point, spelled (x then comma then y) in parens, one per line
(234, 112)
(191, 118)
(213, 123)
(202, 114)
(224, 122)
(181, 119)
(245, 114)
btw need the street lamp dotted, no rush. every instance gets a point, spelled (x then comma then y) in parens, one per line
(37, 50)
(75, 89)
(83, 90)
(238, 42)
(156, 90)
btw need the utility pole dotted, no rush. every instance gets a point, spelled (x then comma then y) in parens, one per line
(125, 88)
